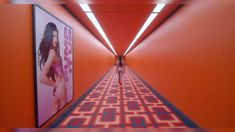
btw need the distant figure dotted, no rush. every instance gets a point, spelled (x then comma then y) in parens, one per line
(120, 69)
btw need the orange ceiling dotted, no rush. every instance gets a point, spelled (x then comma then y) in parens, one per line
(121, 20)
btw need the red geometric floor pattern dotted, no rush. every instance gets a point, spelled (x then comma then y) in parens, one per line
(131, 106)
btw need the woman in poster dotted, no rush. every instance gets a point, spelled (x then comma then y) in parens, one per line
(50, 63)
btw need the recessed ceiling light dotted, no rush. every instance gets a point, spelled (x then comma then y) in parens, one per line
(85, 7)
(151, 17)
(146, 24)
(94, 21)
(158, 8)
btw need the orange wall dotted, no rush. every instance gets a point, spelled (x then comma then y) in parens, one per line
(190, 60)
(91, 62)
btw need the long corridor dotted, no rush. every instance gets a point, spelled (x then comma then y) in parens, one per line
(133, 105)
(59, 58)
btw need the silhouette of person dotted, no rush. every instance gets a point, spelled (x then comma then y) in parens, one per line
(120, 69)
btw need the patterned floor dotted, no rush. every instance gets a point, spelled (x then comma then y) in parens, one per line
(134, 105)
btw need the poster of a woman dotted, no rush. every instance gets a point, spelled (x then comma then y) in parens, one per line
(53, 51)
(50, 63)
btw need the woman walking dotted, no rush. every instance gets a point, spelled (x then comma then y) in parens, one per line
(120, 69)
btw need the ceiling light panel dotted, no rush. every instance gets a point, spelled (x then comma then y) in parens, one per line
(94, 21)
(158, 8)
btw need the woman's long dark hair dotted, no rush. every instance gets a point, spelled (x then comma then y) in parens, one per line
(46, 45)
(120, 61)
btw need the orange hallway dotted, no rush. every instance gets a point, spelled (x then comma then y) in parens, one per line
(61, 63)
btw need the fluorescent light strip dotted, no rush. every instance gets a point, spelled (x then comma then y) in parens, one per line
(85, 7)
(93, 19)
(151, 17)
(158, 8)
